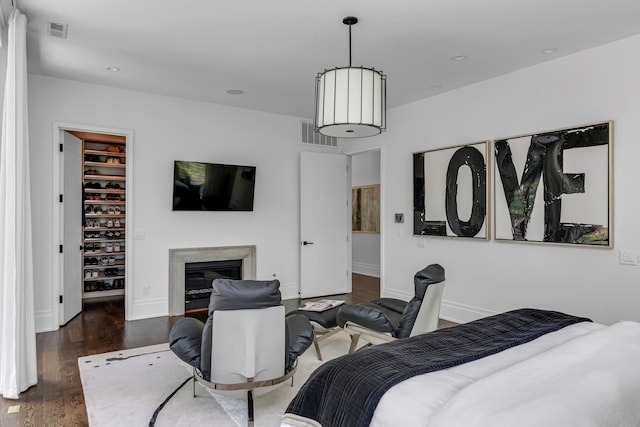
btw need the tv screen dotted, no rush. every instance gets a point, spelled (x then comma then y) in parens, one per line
(199, 186)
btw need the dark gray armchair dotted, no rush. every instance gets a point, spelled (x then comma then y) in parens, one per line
(387, 319)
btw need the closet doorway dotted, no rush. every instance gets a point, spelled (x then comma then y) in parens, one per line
(94, 187)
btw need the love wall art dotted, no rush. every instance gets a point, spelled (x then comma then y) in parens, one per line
(551, 187)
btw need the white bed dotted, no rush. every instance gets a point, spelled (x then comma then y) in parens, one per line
(583, 375)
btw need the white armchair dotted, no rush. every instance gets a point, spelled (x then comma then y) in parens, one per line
(246, 343)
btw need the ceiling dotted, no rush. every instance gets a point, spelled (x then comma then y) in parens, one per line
(273, 49)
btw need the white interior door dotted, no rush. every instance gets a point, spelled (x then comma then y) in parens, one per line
(325, 221)
(72, 214)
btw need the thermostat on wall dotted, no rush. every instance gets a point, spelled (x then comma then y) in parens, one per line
(399, 217)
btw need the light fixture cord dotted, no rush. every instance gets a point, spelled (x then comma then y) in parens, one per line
(349, 45)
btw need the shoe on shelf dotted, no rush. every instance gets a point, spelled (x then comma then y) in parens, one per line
(116, 247)
(109, 247)
(110, 223)
(117, 223)
(94, 274)
(112, 260)
(87, 274)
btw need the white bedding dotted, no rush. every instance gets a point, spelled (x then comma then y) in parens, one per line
(591, 381)
(424, 395)
(582, 375)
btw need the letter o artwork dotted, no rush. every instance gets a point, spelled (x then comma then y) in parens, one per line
(473, 158)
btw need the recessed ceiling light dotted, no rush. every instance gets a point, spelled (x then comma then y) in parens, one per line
(235, 91)
(114, 69)
(550, 50)
(459, 57)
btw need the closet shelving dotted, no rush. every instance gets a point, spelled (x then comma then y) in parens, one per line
(104, 244)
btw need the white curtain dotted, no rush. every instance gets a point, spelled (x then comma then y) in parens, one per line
(18, 368)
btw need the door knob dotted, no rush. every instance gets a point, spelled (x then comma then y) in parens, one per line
(305, 243)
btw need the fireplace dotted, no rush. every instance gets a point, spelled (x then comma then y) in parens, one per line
(179, 258)
(198, 277)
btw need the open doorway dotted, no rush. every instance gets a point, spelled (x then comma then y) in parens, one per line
(366, 242)
(92, 174)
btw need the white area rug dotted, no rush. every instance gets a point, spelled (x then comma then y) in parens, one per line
(124, 388)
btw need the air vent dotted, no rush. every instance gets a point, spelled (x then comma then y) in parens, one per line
(311, 137)
(58, 30)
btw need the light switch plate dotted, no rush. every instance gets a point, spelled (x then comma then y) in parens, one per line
(628, 257)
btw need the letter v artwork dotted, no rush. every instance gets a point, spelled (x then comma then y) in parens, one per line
(555, 187)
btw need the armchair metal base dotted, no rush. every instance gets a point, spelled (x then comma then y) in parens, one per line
(249, 385)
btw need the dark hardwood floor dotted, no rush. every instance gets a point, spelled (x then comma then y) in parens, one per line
(57, 399)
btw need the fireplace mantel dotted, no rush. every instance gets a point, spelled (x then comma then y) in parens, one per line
(179, 257)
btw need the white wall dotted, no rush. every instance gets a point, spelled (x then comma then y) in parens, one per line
(485, 277)
(482, 277)
(365, 170)
(166, 129)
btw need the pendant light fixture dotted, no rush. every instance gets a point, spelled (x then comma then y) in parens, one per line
(351, 102)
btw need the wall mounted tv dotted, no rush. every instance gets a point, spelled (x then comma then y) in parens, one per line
(199, 186)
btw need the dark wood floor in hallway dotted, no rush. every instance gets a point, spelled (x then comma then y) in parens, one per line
(57, 400)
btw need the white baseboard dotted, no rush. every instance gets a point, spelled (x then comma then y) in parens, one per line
(148, 308)
(449, 310)
(290, 291)
(366, 269)
(462, 313)
(44, 321)
(394, 293)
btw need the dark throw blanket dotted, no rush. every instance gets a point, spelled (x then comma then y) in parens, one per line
(345, 391)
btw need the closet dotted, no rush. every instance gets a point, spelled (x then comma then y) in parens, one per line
(104, 216)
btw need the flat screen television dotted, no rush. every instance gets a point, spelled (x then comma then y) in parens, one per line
(199, 186)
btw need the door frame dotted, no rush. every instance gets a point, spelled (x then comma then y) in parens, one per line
(57, 217)
(352, 153)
